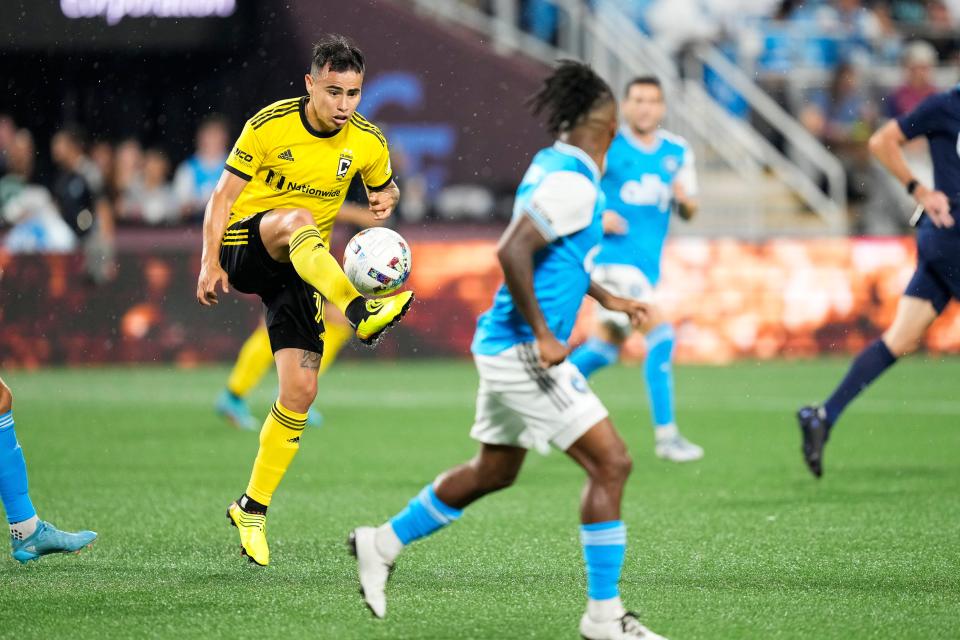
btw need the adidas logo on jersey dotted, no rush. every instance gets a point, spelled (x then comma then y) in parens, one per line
(286, 155)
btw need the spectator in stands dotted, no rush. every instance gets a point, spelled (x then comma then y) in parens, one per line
(843, 118)
(7, 132)
(78, 190)
(101, 153)
(37, 225)
(151, 199)
(919, 58)
(197, 175)
(842, 115)
(127, 166)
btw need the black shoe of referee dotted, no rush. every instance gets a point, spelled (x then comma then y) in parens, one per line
(816, 431)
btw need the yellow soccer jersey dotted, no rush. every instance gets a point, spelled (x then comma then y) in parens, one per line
(289, 164)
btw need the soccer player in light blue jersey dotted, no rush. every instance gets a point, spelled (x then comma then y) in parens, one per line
(650, 173)
(530, 396)
(30, 537)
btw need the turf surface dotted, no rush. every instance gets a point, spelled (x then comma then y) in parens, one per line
(744, 544)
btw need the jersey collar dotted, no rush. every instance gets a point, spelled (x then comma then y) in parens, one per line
(309, 127)
(580, 154)
(634, 141)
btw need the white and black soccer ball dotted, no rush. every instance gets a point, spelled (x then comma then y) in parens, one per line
(377, 261)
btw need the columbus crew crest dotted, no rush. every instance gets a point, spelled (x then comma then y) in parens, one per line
(343, 166)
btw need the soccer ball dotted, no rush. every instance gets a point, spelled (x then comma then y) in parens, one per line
(377, 261)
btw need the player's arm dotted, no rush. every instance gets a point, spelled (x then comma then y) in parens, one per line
(215, 218)
(638, 311)
(685, 187)
(241, 165)
(561, 205)
(383, 194)
(383, 201)
(886, 145)
(516, 249)
(357, 215)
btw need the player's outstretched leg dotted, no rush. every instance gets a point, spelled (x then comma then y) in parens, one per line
(658, 372)
(437, 505)
(279, 443)
(30, 537)
(252, 363)
(292, 233)
(603, 455)
(914, 316)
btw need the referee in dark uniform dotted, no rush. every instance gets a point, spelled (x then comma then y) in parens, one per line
(937, 278)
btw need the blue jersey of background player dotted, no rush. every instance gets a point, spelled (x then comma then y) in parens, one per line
(937, 278)
(650, 173)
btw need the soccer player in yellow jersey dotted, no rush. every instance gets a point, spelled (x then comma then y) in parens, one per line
(266, 231)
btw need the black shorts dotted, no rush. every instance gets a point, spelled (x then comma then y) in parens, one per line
(293, 309)
(937, 277)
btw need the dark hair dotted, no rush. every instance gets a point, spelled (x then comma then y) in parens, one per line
(652, 81)
(337, 50)
(75, 134)
(568, 94)
(214, 120)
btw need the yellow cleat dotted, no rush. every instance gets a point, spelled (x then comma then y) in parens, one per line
(253, 534)
(380, 314)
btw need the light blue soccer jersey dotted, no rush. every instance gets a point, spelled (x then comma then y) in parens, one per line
(561, 194)
(638, 184)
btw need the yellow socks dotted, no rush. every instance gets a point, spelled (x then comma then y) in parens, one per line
(335, 336)
(254, 360)
(317, 267)
(279, 442)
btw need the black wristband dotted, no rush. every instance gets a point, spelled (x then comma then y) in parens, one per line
(912, 186)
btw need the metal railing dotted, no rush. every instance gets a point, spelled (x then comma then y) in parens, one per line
(618, 50)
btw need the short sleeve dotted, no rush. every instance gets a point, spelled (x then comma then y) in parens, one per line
(562, 204)
(687, 173)
(247, 154)
(927, 118)
(378, 173)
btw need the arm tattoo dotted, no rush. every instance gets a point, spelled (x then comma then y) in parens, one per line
(309, 360)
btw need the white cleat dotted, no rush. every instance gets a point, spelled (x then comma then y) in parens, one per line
(372, 569)
(626, 627)
(672, 446)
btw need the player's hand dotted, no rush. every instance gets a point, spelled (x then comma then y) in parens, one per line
(552, 351)
(382, 203)
(638, 312)
(936, 205)
(613, 223)
(210, 275)
(686, 206)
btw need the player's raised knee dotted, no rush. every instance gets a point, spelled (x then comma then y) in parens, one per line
(297, 218)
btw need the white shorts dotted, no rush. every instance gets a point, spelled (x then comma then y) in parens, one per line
(625, 281)
(521, 404)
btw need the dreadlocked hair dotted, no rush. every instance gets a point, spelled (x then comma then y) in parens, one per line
(568, 94)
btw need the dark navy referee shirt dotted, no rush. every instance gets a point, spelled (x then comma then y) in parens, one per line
(938, 118)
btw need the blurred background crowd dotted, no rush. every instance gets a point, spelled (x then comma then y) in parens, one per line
(114, 129)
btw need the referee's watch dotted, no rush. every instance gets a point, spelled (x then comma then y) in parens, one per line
(912, 186)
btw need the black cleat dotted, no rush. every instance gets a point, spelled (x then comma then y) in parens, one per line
(815, 430)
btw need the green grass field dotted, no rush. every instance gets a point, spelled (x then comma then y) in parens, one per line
(745, 544)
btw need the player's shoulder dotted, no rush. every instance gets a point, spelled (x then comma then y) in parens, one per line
(675, 141)
(358, 122)
(274, 112)
(567, 159)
